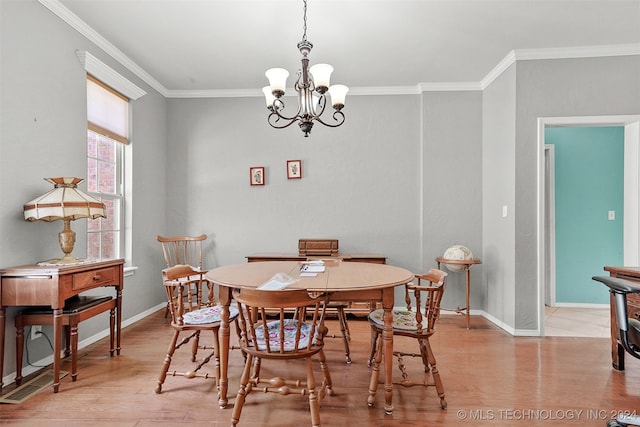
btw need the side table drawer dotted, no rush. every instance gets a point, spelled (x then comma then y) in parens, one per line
(93, 278)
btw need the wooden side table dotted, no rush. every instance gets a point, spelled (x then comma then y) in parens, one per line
(466, 263)
(51, 286)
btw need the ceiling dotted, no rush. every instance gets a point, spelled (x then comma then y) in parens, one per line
(191, 46)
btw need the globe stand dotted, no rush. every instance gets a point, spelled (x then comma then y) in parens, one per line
(465, 265)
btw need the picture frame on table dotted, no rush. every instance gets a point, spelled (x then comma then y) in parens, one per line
(256, 175)
(294, 169)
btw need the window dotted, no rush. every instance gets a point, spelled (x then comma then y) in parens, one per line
(109, 170)
(107, 133)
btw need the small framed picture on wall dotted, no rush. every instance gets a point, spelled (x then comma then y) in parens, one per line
(256, 175)
(294, 169)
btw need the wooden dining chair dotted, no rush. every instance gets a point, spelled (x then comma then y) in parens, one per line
(418, 324)
(281, 326)
(187, 250)
(190, 319)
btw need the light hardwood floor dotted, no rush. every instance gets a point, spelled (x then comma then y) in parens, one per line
(577, 322)
(490, 379)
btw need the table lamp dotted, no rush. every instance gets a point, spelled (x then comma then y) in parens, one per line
(67, 203)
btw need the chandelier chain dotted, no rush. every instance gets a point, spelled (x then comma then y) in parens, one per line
(304, 22)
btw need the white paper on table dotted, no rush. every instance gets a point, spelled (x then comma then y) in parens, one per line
(273, 285)
(278, 281)
(313, 269)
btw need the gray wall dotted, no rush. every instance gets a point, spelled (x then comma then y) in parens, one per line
(452, 187)
(359, 182)
(498, 190)
(43, 134)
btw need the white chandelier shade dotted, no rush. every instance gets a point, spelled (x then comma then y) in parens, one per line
(311, 86)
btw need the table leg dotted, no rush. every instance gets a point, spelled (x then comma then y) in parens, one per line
(2, 321)
(57, 346)
(387, 342)
(225, 299)
(617, 351)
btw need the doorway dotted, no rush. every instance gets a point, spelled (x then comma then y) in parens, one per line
(546, 255)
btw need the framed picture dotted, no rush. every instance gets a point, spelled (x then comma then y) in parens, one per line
(294, 169)
(256, 175)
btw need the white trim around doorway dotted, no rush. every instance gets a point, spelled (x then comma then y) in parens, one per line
(631, 224)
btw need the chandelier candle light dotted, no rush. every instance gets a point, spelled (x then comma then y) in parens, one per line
(311, 93)
(67, 203)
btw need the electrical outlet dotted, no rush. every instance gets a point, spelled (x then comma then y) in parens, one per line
(36, 331)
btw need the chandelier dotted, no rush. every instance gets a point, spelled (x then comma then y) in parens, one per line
(312, 94)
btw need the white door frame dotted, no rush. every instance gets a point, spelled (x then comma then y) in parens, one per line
(550, 226)
(631, 223)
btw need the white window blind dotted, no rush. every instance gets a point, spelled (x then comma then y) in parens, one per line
(107, 111)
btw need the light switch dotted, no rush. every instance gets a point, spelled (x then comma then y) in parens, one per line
(504, 211)
(612, 215)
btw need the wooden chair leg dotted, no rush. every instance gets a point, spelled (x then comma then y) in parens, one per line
(375, 374)
(242, 391)
(112, 328)
(314, 403)
(167, 362)
(19, 349)
(194, 346)
(344, 329)
(74, 350)
(216, 356)
(372, 350)
(327, 386)
(67, 339)
(424, 354)
(436, 375)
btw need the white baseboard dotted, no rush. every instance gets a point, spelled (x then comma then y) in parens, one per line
(580, 305)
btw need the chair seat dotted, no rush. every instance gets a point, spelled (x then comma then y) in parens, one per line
(404, 320)
(207, 315)
(290, 327)
(72, 305)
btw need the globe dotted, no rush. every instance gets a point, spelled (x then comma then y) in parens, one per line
(458, 253)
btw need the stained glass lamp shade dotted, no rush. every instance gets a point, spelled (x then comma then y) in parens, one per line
(65, 202)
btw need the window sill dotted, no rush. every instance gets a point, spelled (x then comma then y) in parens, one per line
(129, 271)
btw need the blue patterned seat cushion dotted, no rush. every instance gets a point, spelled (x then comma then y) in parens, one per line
(207, 315)
(402, 319)
(290, 326)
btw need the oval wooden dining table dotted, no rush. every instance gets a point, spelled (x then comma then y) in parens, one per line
(342, 281)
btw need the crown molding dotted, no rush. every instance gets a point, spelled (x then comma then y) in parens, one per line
(251, 93)
(515, 55)
(83, 28)
(578, 52)
(385, 90)
(559, 53)
(500, 68)
(108, 75)
(449, 86)
(214, 93)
